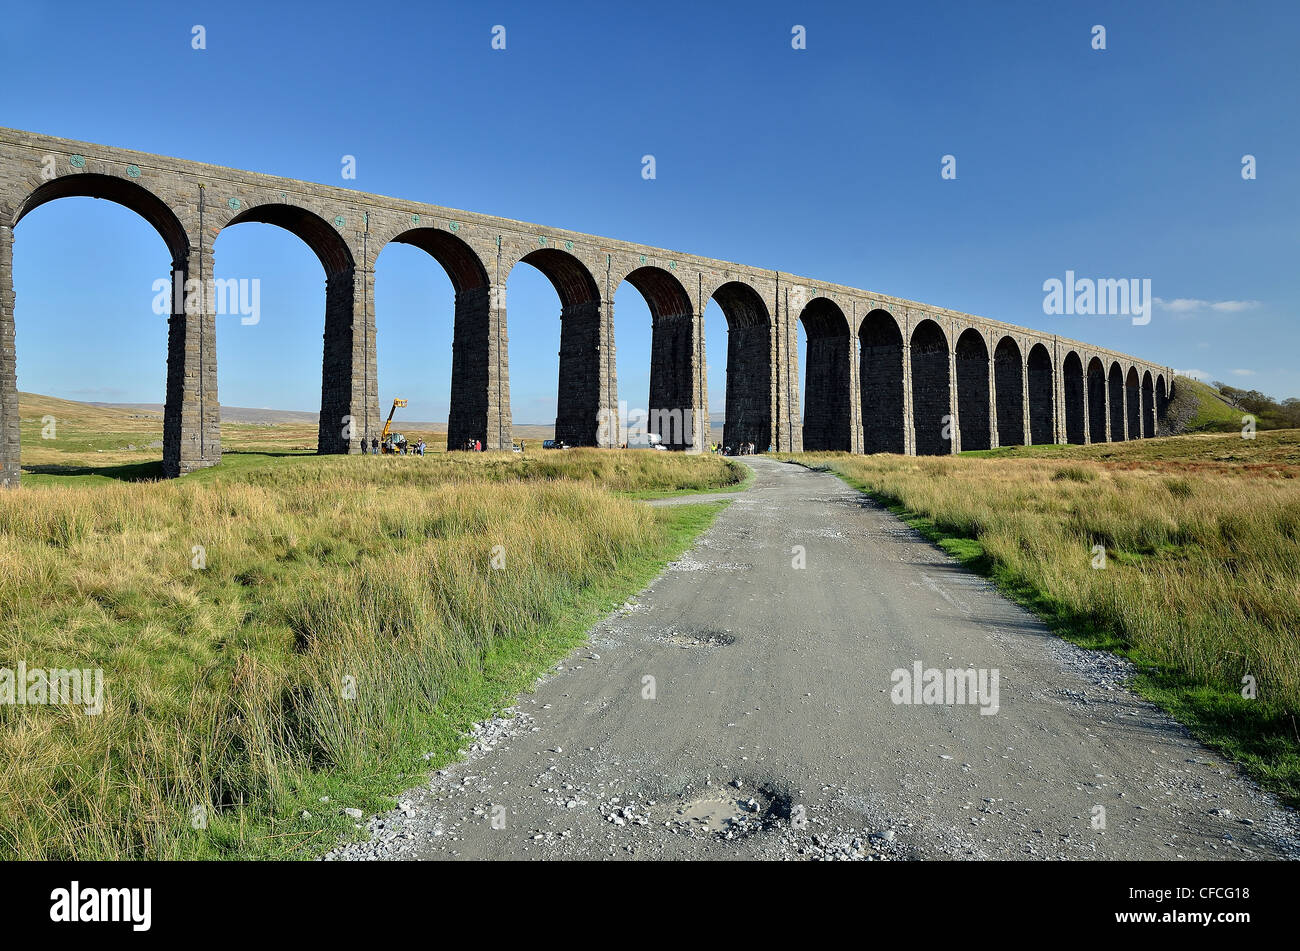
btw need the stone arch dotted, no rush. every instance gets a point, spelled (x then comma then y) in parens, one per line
(339, 369)
(322, 237)
(479, 408)
(1096, 401)
(749, 365)
(461, 262)
(674, 356)
(191, 394)
(1133, 404)
(828, 412)
(1008, 384)
(121, 191)
(588, 380)
(1042, 390)
(972, 365)
(1076, 399)
(881, 383)
(1118, 416)
(1148, 406)
(931, 390)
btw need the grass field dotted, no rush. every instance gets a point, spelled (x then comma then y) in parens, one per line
(1201, 578)
(285, 627)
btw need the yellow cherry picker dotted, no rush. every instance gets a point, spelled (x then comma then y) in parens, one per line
(390, 442)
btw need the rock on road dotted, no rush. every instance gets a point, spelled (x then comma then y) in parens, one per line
(768, 729)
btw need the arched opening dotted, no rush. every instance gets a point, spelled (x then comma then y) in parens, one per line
(973, 390)
(588, 376)
(828, 376)
(1042, 408)
(93, 310)
(122, 192)
(748, 412)
(434, 348)
(267, 360)
(1117, 414)
(1075, 399)
(1009, 382)
(881, 382)
(1162, 403)
(931, 393)
(1148, 406)
(1133, 403)
(668, 376)
(1096, 401)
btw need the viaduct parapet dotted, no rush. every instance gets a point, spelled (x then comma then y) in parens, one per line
(882, 375)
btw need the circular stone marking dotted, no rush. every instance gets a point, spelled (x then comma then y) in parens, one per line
(77, 161)
(672, 265)
(643, 259)
(455, 226)
(339, 221)
(233, 203)
(568, 245)
(133, 171)
(542, 240)
(415, 219)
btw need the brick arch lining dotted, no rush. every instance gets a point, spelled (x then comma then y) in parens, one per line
(323, 238)
(121, 191)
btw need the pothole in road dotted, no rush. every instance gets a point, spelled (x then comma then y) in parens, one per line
(694, 637)
(728, 813)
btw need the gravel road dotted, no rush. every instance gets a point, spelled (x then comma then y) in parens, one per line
(770, 730)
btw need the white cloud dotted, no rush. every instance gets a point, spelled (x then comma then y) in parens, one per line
(1191, 305)
(1244, 372)
(1194, 374)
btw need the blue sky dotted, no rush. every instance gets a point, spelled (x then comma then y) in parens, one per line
(1122, 163)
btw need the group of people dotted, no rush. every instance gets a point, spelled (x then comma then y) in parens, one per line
(398, 447)
(745, 449)
(473, 445)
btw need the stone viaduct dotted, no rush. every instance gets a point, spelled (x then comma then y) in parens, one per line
(883, 374)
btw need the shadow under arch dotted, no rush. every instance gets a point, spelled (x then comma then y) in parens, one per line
(972, 365)
(880, 380)
(1116, 404)
(1076, 399)
(828, 379)
(749, 366)
(931, 390)
(1008, 385)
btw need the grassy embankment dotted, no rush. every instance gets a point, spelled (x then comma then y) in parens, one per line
(227, 686)
(1202, 580)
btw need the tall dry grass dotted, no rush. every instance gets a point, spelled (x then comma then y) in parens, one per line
(225, 686)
